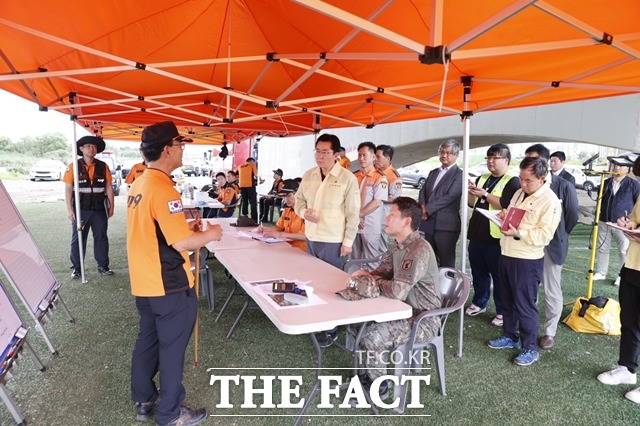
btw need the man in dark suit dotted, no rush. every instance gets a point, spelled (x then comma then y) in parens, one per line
(556, 164)
(555, 253)
(440, 200)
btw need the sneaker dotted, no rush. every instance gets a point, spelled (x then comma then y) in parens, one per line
(105, 270)
(498, 320)
(599, 277)
(144, 410)
(473, 310)
(617, 281)
(75, 274)
(618, 376)
(503, 342)
(527, 357)
(633, 395)
(326, 338)
(189, 416)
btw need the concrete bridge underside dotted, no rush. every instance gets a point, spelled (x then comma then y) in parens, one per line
(612, 122)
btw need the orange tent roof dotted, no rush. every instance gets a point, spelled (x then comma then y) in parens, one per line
(233, 68)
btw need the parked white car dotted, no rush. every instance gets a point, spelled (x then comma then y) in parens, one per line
(47, 170)
(478, 170)
(413, 176)
(586, 182)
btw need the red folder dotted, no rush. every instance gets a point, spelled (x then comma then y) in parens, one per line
(514, 217)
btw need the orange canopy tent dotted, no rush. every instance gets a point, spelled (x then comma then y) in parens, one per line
(228, 69)
(232, 69)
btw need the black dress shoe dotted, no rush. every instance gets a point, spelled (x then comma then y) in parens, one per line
(105, 271)
(144, 410)
(189, 416)
(326, 338)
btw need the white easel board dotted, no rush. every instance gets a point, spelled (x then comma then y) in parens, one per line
(21, 258)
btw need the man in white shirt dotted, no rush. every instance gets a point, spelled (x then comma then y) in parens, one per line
(557, 167)
(440, 200)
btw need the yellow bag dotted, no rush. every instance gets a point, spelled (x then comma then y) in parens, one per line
(598, 315)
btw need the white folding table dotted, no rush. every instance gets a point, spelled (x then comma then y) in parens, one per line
(252, 265)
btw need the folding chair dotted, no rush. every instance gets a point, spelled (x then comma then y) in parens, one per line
(454, 289)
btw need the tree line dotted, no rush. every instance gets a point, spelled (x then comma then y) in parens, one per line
(50, 146)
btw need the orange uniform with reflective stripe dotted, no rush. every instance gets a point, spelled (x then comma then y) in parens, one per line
(294, 224)
(91, 169)
(155, 221)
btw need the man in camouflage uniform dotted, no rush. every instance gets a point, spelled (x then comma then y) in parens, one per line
(408, 272)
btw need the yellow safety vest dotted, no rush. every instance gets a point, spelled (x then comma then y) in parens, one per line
(497, 191)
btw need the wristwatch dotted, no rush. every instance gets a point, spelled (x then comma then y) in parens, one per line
(517, 236)
(484, 196)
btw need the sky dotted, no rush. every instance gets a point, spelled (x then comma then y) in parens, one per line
(20, 118)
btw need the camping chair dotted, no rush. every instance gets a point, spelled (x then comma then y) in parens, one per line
(206, 277)
(454, 290)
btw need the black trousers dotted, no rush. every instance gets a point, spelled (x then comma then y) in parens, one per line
(444, 246)
(96, 221)
(629, 295)
(266, 203)
(166, 324)
(249, 198)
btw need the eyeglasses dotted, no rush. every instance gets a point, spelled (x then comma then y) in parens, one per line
(181, 145)
(495, 158)
(447, 154)
(322, 152)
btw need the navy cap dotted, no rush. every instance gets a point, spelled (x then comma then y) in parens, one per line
(162, 133)
(289, 185)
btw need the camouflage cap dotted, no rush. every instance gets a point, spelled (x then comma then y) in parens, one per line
(361, 287)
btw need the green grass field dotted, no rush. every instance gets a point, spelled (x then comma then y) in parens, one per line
(88, 383)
